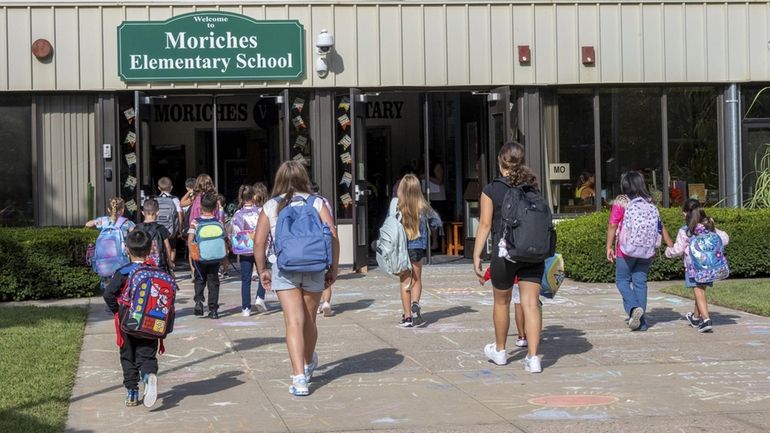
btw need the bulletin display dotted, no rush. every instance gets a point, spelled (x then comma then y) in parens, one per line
(344, 157)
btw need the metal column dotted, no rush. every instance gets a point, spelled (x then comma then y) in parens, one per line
(732, 146)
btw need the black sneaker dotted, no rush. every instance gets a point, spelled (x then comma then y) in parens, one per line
(406, 322)
(198, 311)
(416, 316)
(705, 326)
(694, 321)
(213, 314)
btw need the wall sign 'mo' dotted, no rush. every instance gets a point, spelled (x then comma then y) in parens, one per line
(211, 46)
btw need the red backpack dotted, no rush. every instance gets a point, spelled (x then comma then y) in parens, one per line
(148, 296)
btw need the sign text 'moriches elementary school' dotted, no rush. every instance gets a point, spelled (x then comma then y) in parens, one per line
(210, 46)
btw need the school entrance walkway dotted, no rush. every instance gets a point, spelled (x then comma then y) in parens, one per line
(232, 375)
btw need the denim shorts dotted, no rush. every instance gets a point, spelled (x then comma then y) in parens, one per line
(416, 254)
(307, 281)
(689, 284)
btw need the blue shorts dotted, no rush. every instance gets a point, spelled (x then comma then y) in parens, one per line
(689, 284)
(307, 281)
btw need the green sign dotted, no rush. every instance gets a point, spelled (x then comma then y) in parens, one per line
(211, 46)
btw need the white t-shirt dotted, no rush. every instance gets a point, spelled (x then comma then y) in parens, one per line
(271, 208)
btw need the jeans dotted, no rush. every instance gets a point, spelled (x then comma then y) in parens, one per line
(247, 267)
(631, 279)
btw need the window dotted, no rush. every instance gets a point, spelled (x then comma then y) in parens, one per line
(16, 204)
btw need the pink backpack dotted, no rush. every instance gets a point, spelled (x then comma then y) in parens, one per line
(639, 236)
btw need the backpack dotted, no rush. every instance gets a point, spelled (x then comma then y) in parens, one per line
(158, 249)
(707, 258)
(526, 229)
(391, 249)
(639, 236)
(553, 276)
(242, 241)
(109, 254)
(148, 297)
(167, 214)
(303, 243)
(185, 221)
(210, 241)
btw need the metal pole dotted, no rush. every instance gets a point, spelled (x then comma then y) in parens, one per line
(216, 145)
(664, 147)
(733, 187)
(597, 152)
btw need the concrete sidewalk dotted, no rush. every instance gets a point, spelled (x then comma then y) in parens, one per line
(232, 375)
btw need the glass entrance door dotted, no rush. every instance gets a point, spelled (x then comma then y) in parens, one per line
(361, 190)
(756, 144)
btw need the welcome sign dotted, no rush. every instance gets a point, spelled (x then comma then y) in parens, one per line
(211, 46)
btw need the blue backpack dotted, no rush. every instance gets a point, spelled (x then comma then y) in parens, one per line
(109, 254)
(303, 243)
(707, 258)
(210, 238)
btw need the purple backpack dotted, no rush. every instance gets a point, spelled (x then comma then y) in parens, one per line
(639, 236)
(243, 224)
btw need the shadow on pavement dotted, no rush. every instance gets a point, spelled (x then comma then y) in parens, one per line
(375, 361)
(175, 395)
(723, 319)
(557, 341)
(252, 343)
(662, 315)
(361, 304)
(431, 317)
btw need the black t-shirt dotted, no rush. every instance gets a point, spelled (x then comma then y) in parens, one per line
(496, 191)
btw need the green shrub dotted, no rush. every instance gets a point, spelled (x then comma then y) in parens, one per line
(582, 243)
(40, 263)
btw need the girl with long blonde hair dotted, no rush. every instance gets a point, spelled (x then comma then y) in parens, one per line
(416, 215)
(299, 292)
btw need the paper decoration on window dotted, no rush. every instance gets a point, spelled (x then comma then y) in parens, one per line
(344, 121)
(131, 158)
(301, 143)
(347, 179)
(130, 138)
(130, 115)
(345, 158)
(130, 182)
(345, 142)
(298, 122)
(301, 159)
(344, 104)
(131, 205)
(298, 104)
(346, 199)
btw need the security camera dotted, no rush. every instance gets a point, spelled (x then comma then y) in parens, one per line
(324, 42)
(321, 68)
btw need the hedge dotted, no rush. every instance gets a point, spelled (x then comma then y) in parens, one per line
(581, 241)
(41, 263)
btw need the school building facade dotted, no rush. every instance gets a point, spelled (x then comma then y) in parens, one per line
(102, 98)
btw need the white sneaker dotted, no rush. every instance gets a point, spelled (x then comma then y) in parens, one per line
(246, 312)
(150, 389)
(499, 357)
(521, 342)
(532, 365)
(260, 305)
(310, 368)
(326, 308)
(299, 385)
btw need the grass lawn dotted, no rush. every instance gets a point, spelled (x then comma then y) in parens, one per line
(752, 296)
(39, 353)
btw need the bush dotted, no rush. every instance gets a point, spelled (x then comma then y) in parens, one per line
(40, 263)
(582, 243)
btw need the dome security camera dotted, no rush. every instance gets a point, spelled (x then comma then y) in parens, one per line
(324, 42)
(321, 68)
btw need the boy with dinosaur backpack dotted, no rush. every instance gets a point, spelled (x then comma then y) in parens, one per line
(141, 298)
(206, 242)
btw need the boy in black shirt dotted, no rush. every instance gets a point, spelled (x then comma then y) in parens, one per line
(160, 250)
(137, 355)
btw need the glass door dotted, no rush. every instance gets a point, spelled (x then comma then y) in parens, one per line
(499, 108)
(756, 144)
(360, 189)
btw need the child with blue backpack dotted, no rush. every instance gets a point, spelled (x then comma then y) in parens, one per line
(206, 242)
(702, 245)
(242, 228)
(109, 252)
(306, 260)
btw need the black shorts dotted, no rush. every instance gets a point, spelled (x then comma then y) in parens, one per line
(416, 254)
(503, 272)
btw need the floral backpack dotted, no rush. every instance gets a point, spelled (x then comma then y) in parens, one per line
(640, 234)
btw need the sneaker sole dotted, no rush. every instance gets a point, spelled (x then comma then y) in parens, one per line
(636, 319)
(706, 329)
(297, 393)
(151, 391)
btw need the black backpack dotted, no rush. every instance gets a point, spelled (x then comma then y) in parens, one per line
(526, 225)
(158, 250)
